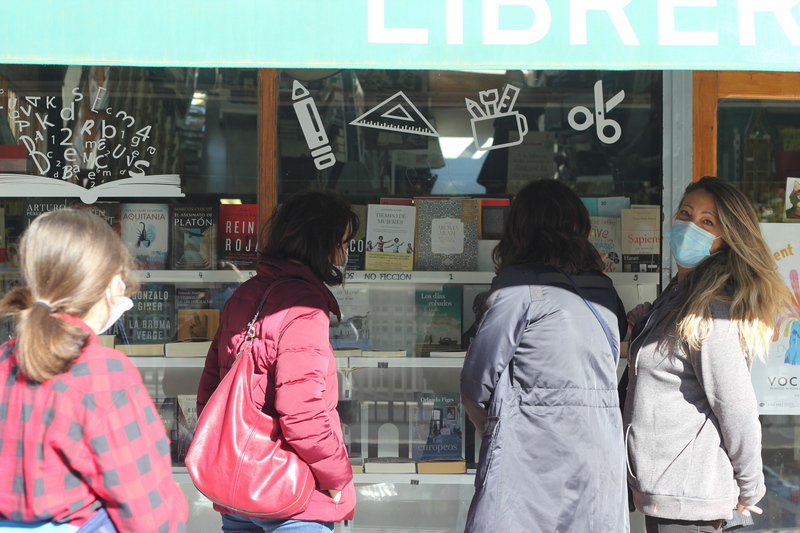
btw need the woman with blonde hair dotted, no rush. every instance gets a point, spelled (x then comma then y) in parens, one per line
(83, 447)
(691, 418)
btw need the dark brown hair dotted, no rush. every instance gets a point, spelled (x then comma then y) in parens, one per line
(309, 228)
(547, 224)
(67, 260)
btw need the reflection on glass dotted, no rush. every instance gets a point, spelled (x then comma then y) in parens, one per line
(400, 133)
(758, 148)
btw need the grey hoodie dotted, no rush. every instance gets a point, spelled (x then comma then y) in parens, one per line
(691, 422)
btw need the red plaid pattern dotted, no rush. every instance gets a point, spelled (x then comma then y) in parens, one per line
(87, 438)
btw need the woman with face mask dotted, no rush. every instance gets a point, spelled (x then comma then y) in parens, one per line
(83, 447)
(691, 420)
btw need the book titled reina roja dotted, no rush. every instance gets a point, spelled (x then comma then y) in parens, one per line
(237, 239)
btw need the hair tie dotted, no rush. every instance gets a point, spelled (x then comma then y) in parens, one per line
(42, 304)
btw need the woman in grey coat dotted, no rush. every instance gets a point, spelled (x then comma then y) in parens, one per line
(691, 418)
(539, 380)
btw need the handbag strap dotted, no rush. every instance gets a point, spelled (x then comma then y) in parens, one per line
(250, 330)
(609, 337)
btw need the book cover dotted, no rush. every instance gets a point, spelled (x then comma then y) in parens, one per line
(353, 329)
(36, 206)
(493, 215)
(14, 224)
(152, 318)
(3, 257)
(187, 422)
(792, 204)
(390, 465)
(168, 412)
(473, 306)
(356, 252)
(238, 235)
(641, 240)
(144, 228)
(390, 237)
(438, 319)
(447, 234)
(197, 318)
(605, 235)
(437, 423)
(612, 206)
(108, 211)
(194, 237)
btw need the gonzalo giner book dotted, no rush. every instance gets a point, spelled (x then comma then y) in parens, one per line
(152, 319)
(194, 237)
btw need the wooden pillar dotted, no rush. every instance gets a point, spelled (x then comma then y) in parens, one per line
(267, 143)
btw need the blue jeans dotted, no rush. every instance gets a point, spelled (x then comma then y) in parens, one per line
(99, 523)
(236, 523)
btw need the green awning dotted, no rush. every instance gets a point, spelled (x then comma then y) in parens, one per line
(436, 34)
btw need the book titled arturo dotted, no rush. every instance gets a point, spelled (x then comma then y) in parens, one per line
(144, 229)
(237, 236)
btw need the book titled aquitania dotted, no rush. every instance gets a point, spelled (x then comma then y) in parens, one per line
(237, 238)
(144, 229)
(194, 237)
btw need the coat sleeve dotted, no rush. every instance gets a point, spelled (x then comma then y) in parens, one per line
(302, 365)
(724, 374)
(209, 380)
(495, 344)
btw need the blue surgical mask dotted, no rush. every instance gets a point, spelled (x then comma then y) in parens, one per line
(690, 243)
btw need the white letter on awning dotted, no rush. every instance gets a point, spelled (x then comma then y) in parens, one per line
(668, 35)
(455, 21)
(377, 32)
(781, 10)
(492, 34)
(614, 8)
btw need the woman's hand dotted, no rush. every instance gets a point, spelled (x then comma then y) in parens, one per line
(638, 312)
(337, 495)
(747, 509)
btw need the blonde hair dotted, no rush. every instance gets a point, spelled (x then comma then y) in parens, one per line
(67, 260)
(743, 273)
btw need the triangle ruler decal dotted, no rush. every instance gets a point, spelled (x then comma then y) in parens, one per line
(396, 113)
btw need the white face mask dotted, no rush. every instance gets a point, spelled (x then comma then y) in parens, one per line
(117, 310)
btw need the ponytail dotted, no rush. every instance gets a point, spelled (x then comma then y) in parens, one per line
(46, 344)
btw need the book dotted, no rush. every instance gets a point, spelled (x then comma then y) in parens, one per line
(436, 425)
(453, 354)
(390, 237)
(36, 206)
(605, 235)
(144, 228)
(237, 239)
(157, 186)
(641, 240)
(792, 203)
(152, 318)
(606, 207)
(193, 237)
(381, 354)
(187, 422)
(444, 465)
(14, 222)
(356, 251)
(141, 350)
(196, 318)
(168, 412)
(438, 319)
(357, 463)
(352, 331)
(3, 236)
(390, 465)
(447, 234)
(493, 214)
(347, 352)
(473, 306)
(187, 349)
(108, 211)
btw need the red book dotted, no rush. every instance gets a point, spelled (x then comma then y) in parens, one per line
(238, 248)
(13, 158)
